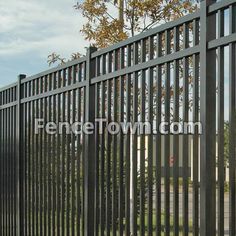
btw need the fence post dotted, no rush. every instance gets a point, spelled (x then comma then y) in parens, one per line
(19, 230)
(89, 146)
(207, 114)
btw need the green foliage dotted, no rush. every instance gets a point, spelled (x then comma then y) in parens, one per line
(226, 142)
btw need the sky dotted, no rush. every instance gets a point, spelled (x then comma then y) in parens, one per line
(32, 29)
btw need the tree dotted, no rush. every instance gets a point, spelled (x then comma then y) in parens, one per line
(103, 28)
(112, 21)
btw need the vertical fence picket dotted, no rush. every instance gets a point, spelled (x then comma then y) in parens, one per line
(102, 164)
(134, 145)
(195, 144)
(7, 167)
(232, 123)
(150, 140)
(158, 157)
(108, 161)
(18, 174)
(79, 166)
(68, 158)
(221, 114)
(185, 147)
(89, 145)
(207, 117)
(1, 165)
(127, 150)
(58, 145)
(96, 202)
(4, 172)
(121, 156)
(37, 164)
(73, 164)
(114, 163)
(45, 157)
(176, 137)
(142, 144)
(54, 158)
(40, 163)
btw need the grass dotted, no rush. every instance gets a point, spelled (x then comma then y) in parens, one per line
(163, 224)
(138, 224)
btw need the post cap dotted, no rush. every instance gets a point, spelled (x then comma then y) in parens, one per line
(21, 76)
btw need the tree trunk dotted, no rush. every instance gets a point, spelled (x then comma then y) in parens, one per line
(121, 12)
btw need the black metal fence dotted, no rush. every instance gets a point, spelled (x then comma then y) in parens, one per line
(113, 184)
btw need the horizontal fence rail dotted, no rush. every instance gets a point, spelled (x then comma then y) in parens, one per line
(132, 183)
